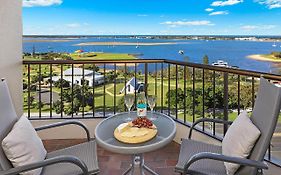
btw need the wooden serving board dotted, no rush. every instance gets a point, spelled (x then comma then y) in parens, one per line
(150, 134)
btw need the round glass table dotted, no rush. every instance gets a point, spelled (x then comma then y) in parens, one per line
(166, 127)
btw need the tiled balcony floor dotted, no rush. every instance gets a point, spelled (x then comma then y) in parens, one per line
(162, 161)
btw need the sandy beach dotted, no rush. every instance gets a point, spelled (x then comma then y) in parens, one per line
(263, 58)
(123, 44)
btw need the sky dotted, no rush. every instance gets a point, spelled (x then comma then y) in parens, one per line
(151, 17)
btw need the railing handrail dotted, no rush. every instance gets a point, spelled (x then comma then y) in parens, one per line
(189, 64)
(227, 69)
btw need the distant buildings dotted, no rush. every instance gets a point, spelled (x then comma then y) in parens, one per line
(89, 76)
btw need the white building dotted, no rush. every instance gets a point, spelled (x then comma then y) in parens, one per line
(132, 86)
(89, 76)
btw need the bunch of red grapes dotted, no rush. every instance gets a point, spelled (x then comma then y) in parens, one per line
(142, 122)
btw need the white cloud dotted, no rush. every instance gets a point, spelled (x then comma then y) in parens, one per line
(209, 9)
(271, 4)
(42, 3)
(142, 15)
(73, 25)
(219, 13)
(257, 27)
(187, 23)
(226, 3)
(249, 27)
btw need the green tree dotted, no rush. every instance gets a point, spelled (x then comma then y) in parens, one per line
(36, 78)
(39, 105)
(276, 54)
(62, 83)
(121, 104)
(176, 98)
(58, 106)
(205, 59)
(92, 67)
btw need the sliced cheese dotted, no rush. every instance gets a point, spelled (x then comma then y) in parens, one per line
(123, 127)
(135, 132)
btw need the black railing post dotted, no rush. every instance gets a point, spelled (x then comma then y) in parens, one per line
(72, 93)
(61, 91)
(83, 92)
(28, 87)
(162, 87)
(51, 90)
(169, 89)
(225, 101)
(203, 97)
(155, 86)
(176, 91)
(40, 101)
(193, 94)
(114, 98)
(184, 89)
(135, 92)
(214, 101)
(145, 78)
(238, 94)
(104, 83)
(253, 92)
(125, 83)
(94, 84)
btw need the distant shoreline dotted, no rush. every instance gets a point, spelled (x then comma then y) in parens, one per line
(123, 44)
(263, 58)
(46, 40)
(255, 38)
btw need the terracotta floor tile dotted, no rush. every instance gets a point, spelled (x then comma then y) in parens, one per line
(162, 161)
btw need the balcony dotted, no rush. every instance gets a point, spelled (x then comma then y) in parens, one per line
(93, 90)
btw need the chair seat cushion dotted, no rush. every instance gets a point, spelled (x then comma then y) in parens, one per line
(85, 152)
(23, 146)
(202, 167)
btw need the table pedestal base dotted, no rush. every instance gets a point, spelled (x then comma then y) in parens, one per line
(138, 161)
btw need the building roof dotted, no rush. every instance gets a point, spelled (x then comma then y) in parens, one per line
(133, 82)
(79, 72)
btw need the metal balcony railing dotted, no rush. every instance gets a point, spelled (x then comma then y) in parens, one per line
(185, 91)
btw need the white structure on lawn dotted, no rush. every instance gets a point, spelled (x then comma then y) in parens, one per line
(133, 86)
(78, 76)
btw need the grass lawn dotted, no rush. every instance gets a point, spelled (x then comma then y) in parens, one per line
(101, 56)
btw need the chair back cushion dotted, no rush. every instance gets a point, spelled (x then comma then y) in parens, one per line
(22, 146)
(8, 118)
(239, 140)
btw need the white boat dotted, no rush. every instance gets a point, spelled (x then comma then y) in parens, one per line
(221, 63)
(181, 52)
(274, 45)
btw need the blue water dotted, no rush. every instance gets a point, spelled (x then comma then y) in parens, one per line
(234, 52)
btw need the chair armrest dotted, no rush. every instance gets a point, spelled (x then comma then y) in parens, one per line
(206, 120)
(223, 158)
(47, 162)
(67, 122)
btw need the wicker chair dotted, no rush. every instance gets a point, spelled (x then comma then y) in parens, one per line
(205, 159)
(78, 159)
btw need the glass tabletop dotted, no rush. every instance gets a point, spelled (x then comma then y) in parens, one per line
(104, 134)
